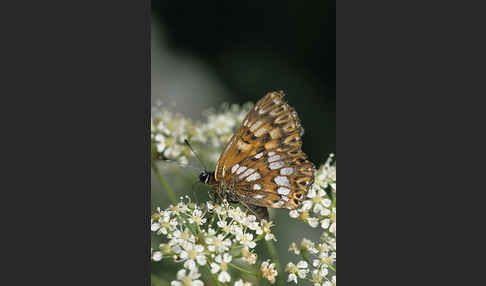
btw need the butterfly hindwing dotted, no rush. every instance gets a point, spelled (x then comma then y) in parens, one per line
(263, 162)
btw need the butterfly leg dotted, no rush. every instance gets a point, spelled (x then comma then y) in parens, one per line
(259, 212)
(218, 198)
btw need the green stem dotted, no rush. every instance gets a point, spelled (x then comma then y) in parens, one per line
(306, 258)
(333, 197)
(273, 253)
(213, 275)
(164, 184)
(242, 269)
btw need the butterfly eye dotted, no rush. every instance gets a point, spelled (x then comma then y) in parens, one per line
(204, 177)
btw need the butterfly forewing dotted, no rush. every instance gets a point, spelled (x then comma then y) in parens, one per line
(263, 163)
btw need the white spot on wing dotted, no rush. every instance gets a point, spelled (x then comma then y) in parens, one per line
(257, 187)
(276, 165)
(255, 126)
(285, 198)
(259, 155)
(246, 173)
(274, 158)
(286, 171)
(253, 177)
(258, 196)
(283, 191)
(240, 170)
(271, 153)
(233, 169)
(282, 181)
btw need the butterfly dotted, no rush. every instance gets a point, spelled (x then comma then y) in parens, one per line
(262, 165)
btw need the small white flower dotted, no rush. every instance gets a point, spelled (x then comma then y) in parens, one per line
(325, 212)
(332, 228)
(308, 245)
(221, 123)
(312, 221)
(242, 283)
(192, 253)
(155, 226)
(293, 247)
(197, 217)
(221, 266)
(300, 270)
(326, 202)
(294, 214)
(224, 225)
(306, 205)
(268, 271)
(165, 223)
(209, 206)
(157, 256)
(325, 223)
(218, 243)
(189, 279)
(292, 278)
(246, 239)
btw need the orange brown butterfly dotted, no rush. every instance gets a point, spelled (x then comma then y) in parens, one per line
(262, 165)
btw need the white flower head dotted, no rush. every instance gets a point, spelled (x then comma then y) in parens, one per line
(197, 217)
(246, 239)
(157, 256)
(242, 283)
(268, 271)
(218, 243)
(300, 270)
(187, 279)
(221, 266)
(191, 254)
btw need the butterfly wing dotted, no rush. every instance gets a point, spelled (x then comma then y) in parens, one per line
(263, 162)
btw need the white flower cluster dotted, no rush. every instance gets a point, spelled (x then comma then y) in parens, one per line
(319, 259)
(318, 209)
(211, 236)
(168, 130)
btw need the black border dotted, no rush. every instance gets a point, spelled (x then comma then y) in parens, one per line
(410, 83)
(76, 109)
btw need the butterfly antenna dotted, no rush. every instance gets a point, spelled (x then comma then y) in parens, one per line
(195, 154)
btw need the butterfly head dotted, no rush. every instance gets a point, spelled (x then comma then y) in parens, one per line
(204, 177)
(207, 178)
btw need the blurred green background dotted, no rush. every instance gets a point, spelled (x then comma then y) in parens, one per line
(205, 53)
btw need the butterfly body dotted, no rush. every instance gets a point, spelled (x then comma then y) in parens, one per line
(263, 165)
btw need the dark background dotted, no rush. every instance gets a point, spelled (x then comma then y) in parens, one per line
(247, 49)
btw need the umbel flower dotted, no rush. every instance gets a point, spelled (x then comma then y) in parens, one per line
(269, 271)
(218, 241)
(185, 278)
(211, 236)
